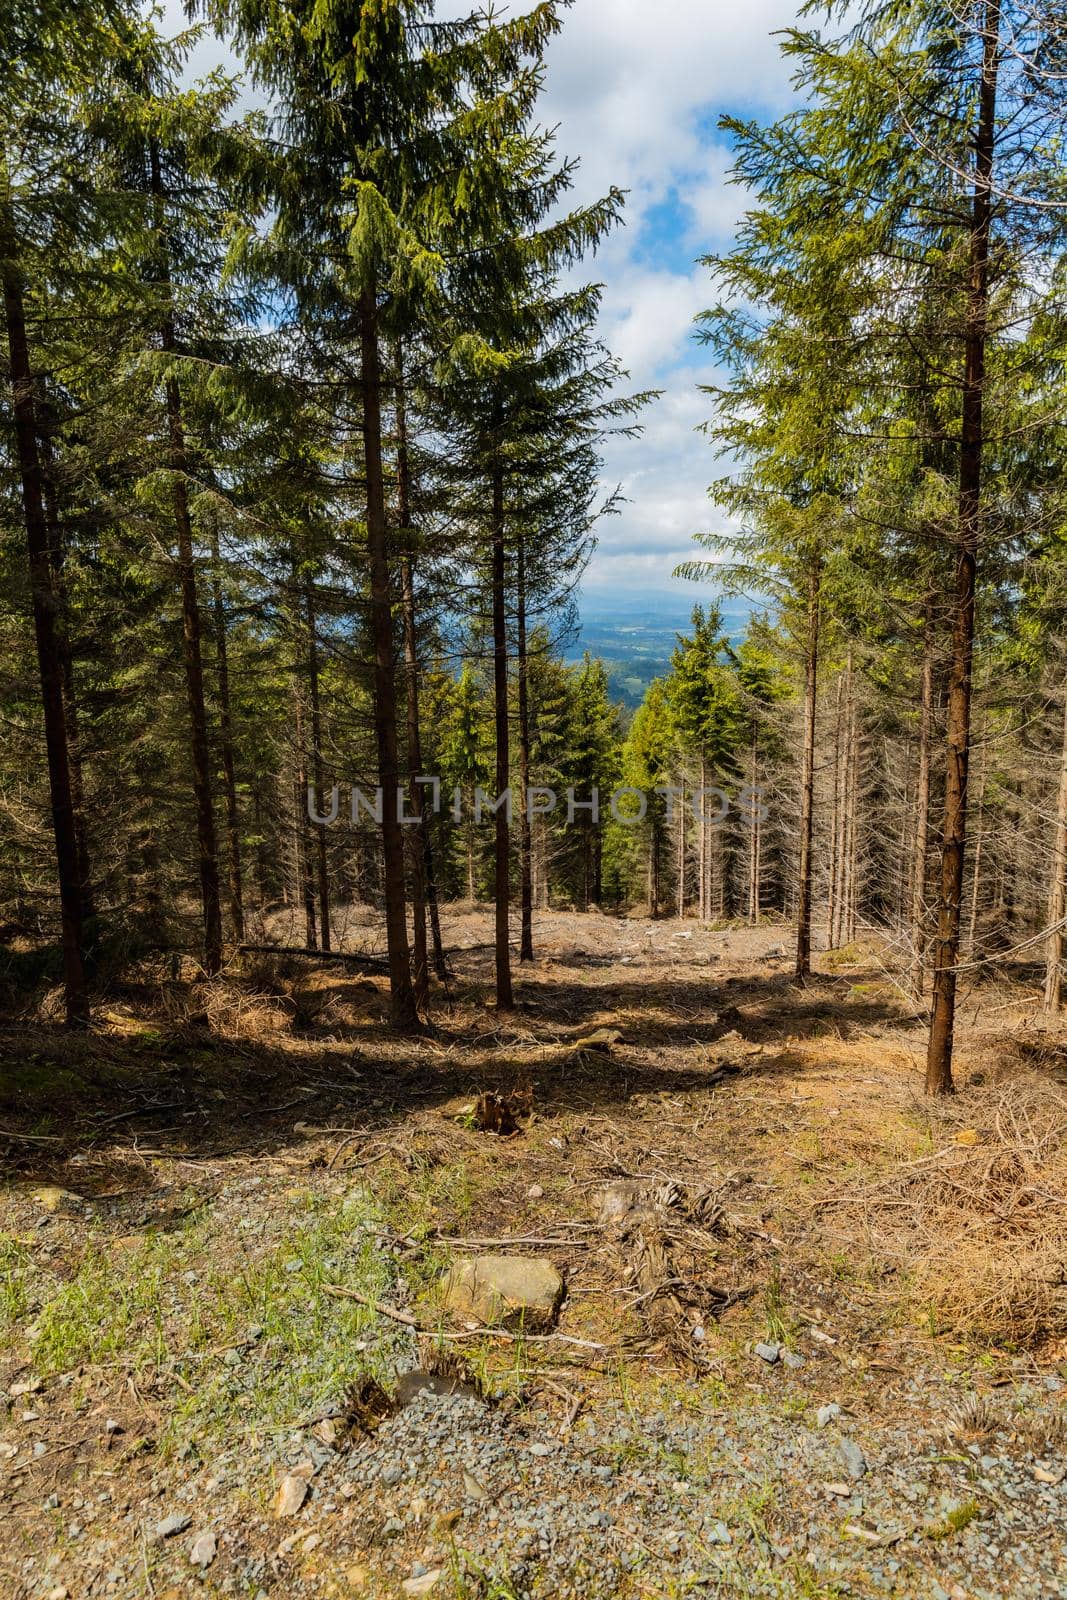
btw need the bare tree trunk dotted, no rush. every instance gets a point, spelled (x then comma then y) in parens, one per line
(305, 874)
(1057, 900)
(420, 961)
(57, 559)
(680, 891)
(849, 815)
(210, 893)
(755, 865)
(45, 608)
(807, 777)
(403, 1012)
(836, 829)
(939, 1052)
(233, 822)
(979, 840)
(502, 844)
(322, 862)
(702, 845)
(922, 805)
(526, 952)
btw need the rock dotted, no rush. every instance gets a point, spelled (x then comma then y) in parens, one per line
(471, 1487)
(177, 1522)
(203, 1550)
(424, 1585)
(827, 1414)
(26, 1386)
(769, 1353)
(855, 1462)
(292, 1492)
(505, 1291)
(535, 1192)
(51, 1198)
(791, 1359)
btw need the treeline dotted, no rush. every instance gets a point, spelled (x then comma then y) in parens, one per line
(301, 412)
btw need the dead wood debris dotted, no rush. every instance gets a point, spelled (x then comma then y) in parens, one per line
(662, 1236)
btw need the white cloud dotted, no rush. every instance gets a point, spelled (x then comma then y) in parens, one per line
(637, 90)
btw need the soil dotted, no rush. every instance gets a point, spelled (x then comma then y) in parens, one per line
(779, 1369)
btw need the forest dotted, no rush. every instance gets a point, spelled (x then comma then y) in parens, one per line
(307, 809)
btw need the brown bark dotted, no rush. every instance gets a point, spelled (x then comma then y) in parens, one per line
(233, 821)
(807, 777)
(57, 558)
(403, 1013)
(45, 610)
(304, 873)
(979, 840)
(836, 826)
(679, 896)
(954, 845)
(1057, 902)
(428, 884)
(192, 652)
(420, 961)
(314, 705)
(922, 805)
(755, 866)
(502, 843)
(526, 952)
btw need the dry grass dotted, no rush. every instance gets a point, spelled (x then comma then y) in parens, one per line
(979, 1224)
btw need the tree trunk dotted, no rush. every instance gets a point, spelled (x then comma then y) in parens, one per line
(420, 961)
(57, 558)
(322, 863)
(192, 653)
(836, 829)
(922, 806)
(679, 898)
(979, 839)
(233, 823)
(49, 662)
(1057, 901)
(754, 864)
(304, 872)
(702, 846)
(807, 778)
(939, 1052)
(502, 850)
(851, 818)
(403, 1013)
(525, 836)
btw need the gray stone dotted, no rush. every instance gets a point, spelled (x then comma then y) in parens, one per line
(827, 1414)
(855, 1462)
(505, 1291)
(769, 1353)
(177, 1522)
(203, 1550)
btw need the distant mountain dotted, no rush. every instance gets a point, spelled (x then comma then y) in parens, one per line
(634, 634)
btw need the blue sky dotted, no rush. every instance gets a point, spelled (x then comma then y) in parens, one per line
(636, 88)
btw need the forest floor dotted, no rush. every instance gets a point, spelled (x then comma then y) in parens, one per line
(814, 1345)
